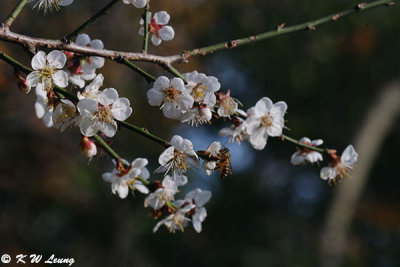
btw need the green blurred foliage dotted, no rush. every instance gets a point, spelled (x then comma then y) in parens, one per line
(269, 214)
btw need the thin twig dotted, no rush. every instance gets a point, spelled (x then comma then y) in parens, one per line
(298, 143)
(146, 28)
(15, 12)
(281, 30)
(102, 12)
(149, 78)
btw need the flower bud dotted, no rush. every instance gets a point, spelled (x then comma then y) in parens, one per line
(88, 147)
(23, 86)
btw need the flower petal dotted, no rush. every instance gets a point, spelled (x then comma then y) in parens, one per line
(39, 60)
(56, 59)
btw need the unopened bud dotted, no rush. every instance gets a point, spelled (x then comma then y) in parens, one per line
(23, 86)
(88, 147)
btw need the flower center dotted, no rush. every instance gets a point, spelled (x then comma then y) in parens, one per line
(198, 92)
(104, 113)
(171, 94)
(154, 28)
(180, 159)
(229, 105)
(67, 111)
(266, 120)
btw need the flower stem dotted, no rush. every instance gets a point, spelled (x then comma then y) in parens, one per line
(14, 13)
(144, 132)
(107, 148)
(281, 30)
(296, 142)
(174, 71)
(104, 11)
(146, 27)
(149, 78)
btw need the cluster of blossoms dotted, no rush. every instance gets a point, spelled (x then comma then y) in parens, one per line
(194, 98)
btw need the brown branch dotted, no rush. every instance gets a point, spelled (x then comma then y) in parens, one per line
(32, 42)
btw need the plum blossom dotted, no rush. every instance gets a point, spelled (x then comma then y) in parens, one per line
(265, 119)
(136, 3)
(339, 166)
(83, 68)
(47, 70)
(172, 96)
(178, 220)
(44, 105)
(228, 106)
(235, 132)
(65, 115)
(158, 27)
(198, 198)
(92, 90)
(101, 114)
(197, 115)
(179, 157)
(48, 5)
(303, 154)
(166, 193)
(123, 179)
(202, 87)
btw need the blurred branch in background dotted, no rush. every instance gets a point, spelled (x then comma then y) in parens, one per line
(378, 123)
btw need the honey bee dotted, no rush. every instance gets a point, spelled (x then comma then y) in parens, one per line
(224, 163)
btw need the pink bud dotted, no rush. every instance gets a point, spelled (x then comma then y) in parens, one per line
(88, 147)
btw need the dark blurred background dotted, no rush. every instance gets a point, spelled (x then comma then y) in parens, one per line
(268, 213)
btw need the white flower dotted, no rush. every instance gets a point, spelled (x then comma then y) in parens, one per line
(175, 221)
(158, 27)
(166, 193)
(303, 154)
(202, 88)
(340, 166)
(197, 115)
(171, 96)
(65, 115)
(88, 147)
(48, 5)
(91, 63)
(227, 105)
(101, 114)
(179, 157)
(47, 70)
(236, 132)
(43, 106)
(136, 3)
(213, 152)
(198, 198)
(265, 119)
(130, 178)
(92, 90)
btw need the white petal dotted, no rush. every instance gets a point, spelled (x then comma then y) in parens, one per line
(88, 126)
(167, 33)
(259, 139)
(65, 2)
(87, 107)
(56, 59)
(263, 106)
(161, 17)
(328, 173)
(139, 163)
(33, 78)
(155, 40)
(155, 97)
(297, 158)
(121, 109)
(60, 78)
(139, 3)
(166, 156)
(109, 129)
(97, 44)
(39, 60)
(108, 96)
(349, 155)
(82, 39)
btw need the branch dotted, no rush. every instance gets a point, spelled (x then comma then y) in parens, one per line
(297, 143)
(146, 28)
(149, 78)
(15, 12)
(32, 42)
(280, 30)
(102, 12)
